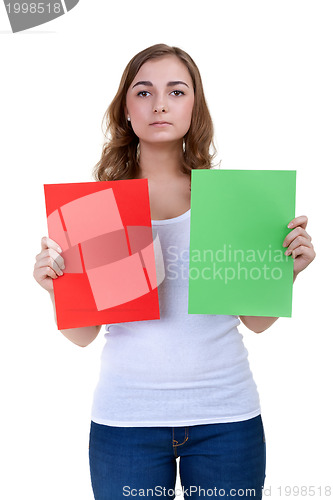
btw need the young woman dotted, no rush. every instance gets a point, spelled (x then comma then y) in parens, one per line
(179, 386)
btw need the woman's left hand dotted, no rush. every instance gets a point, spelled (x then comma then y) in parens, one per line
(299, 244)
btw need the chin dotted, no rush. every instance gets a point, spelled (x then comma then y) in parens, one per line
(162, 136)
(163, 141)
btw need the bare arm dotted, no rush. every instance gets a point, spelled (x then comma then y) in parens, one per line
(259, 324)
(48, 267)
(80, 336)
(299, 246)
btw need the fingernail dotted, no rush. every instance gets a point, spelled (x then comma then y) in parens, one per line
(290, 224)
(59, 249)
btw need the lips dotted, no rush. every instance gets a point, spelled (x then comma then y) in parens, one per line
(160, 123)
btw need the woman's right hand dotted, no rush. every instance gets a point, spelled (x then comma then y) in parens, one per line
(49, 264)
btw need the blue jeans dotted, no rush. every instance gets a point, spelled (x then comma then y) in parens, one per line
(216, 461)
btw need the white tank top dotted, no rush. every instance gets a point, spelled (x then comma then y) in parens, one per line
(182, 369)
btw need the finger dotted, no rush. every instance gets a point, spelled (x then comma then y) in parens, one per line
(299, 241)
(48, 262)
(304, 251)
(48, 243)
(298, 231)
(49, 252)
(44, 273)
(302, 221)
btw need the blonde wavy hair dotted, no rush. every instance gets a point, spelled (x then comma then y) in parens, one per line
(120, 157)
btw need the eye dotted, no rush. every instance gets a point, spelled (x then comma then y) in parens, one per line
(177, 92)
(143, 93)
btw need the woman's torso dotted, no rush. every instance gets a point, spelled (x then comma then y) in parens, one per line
(181, 369)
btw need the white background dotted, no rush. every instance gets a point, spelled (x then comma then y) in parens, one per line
(267, 72)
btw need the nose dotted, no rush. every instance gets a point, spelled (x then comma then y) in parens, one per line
(160, 108)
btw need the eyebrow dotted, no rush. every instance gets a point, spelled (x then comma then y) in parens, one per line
(169, 84)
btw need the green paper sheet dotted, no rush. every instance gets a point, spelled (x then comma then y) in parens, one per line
(239, 221)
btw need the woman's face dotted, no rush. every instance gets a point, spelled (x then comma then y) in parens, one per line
(160, 101)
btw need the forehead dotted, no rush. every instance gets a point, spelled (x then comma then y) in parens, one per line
(163, 69)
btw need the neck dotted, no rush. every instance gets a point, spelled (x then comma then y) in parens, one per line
(160, 161)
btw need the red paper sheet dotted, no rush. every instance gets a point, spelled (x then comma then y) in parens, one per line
(104, 230)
